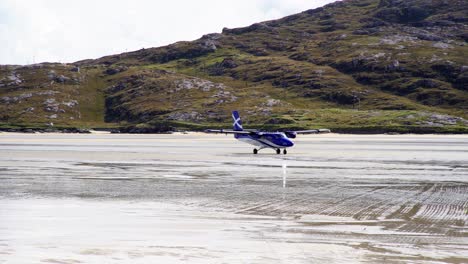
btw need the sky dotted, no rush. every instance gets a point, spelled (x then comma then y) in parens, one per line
(33, 31)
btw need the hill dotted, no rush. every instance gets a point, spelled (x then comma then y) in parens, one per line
(356, 65)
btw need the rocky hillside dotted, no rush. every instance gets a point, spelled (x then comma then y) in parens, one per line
(356, 65)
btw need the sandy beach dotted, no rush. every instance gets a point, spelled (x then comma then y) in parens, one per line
(198, 198)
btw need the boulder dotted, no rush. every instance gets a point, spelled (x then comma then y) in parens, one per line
(368, 31)
(62, 79)
(428, 36)
(51, 75)
(184, 116)
(442, 45)
(212, 36)
(112, 71)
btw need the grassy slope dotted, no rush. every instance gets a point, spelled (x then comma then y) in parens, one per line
(76, 102)
(306, 70)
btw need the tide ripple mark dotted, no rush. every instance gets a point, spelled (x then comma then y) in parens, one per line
(348, 205)
(386, 201)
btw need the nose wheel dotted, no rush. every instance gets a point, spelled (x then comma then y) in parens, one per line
(285, 151)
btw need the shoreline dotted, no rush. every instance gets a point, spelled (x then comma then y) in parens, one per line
(169, 128)
(201, 133)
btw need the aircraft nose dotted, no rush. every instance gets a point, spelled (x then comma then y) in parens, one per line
(288, 143)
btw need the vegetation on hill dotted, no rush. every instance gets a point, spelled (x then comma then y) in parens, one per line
(353, 66)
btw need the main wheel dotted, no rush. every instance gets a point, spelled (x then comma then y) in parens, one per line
(278, 151)
(285, 151)
(255, 151)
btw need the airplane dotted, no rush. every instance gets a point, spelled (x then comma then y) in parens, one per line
(262, 139)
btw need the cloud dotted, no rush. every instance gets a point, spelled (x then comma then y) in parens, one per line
(67, 31)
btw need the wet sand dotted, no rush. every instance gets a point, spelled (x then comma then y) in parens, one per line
(199, 198)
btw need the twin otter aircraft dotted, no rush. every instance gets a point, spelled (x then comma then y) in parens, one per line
(260, 139)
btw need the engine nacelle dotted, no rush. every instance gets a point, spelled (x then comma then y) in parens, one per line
(290, 134)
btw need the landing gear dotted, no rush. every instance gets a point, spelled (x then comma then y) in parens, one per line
(278, 151)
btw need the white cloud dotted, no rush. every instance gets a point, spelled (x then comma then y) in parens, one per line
(67, 31)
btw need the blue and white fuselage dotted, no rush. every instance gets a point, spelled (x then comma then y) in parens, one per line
(260, 139)
(263, 140)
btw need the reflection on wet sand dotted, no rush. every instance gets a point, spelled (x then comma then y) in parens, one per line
(197, 198)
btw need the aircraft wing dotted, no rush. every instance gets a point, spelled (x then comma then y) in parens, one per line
(312, 131)
(227, 131)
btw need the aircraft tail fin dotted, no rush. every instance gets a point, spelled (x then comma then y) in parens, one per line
(237, 125)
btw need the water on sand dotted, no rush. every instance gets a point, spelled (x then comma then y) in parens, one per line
(204, 198)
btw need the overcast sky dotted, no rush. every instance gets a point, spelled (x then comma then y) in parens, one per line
(33, 31)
